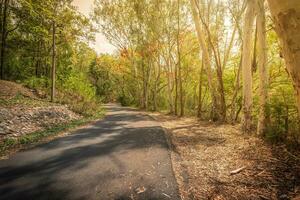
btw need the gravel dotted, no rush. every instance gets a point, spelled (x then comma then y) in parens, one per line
(20, 120)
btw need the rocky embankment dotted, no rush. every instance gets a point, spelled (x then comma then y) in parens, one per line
(23, 112)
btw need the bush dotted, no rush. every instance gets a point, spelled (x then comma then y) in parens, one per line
(37, 83)
(78, 84)
(125, 101)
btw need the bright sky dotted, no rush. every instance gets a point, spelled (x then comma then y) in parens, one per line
(101, 45)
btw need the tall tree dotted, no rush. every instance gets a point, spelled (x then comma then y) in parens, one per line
(179, 61)
(262, 66)
(4, 13)
(53, 69)
(286, 16)
(246, 64)
(206, 57)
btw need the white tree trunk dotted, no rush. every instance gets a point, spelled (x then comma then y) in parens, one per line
(246, 64)
(286, 15)
(262, 66)
(205, 54)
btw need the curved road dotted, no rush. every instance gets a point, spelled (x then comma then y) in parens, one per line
(123, 156)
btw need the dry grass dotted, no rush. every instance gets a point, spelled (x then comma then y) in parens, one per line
(9, 90)
(209, 153)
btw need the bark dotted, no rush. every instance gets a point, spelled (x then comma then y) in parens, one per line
(235, 94)
(199, 112)
(3, 35)
(146, 75)
(216, 53)
(38, 58)
(176, 91)
(246, 65)
(179, 63)
(156, 85)
(171, 105)
(262, 67)
(53, 69)
(286, 16)
(206, 57)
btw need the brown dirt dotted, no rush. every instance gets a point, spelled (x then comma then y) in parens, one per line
(9, 90)
(23, 112)
(209, 153)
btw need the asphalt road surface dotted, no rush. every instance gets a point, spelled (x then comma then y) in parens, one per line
(123, 156)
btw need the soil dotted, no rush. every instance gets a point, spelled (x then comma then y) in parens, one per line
(220, 162)
(23, 112)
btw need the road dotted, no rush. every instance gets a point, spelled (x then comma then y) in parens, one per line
(123, 156)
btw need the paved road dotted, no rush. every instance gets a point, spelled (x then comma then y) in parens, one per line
(123, 156)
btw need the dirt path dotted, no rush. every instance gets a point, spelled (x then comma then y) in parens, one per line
(219, 162)
(123, 156)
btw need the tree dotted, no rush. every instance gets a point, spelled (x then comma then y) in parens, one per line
(53, 68)
(262, 67)
(246, 65)
(287, 25)
(206, 57)
(4, 33)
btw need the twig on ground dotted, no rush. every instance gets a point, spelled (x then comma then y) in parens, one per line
(166, 195)
(237, 170)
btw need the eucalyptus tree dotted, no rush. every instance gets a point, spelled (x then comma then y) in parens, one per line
(287, 25)
(246, 65)
(262, 67)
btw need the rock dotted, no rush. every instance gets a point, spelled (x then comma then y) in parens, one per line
(21, 120)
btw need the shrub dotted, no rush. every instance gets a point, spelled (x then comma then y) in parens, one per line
(37, 83)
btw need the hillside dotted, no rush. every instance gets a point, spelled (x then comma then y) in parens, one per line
(26, 117)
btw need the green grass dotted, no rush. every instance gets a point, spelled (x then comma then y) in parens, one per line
(14, 143)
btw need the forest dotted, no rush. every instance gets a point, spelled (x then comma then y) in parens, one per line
(217, 60)
(224, 62)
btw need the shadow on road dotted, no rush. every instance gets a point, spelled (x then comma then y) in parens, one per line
(120, 148)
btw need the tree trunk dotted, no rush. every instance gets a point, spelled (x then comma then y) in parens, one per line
(246, 65)
(53, 71)
(286, 16)
(179, 61)
(38, 58)
(235, 93)
(3, 36)
(171, 105)
(199, 112)
(262, 68)
(206, 57)
(156, 85)
(176, 91)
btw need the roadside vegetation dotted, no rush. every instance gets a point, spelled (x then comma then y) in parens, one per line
(220, 61)
(225, 74)
(45, 60)
(28, 119)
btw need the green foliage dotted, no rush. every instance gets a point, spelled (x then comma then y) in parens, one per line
(155, 41)
(124, 100)
(37, 82)
(78, 85)
(29, 51)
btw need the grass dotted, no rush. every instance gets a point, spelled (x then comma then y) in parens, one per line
(10, 144)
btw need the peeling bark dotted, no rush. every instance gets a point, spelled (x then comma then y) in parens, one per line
(286, 15)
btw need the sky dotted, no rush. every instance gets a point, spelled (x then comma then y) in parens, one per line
(101, 45)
